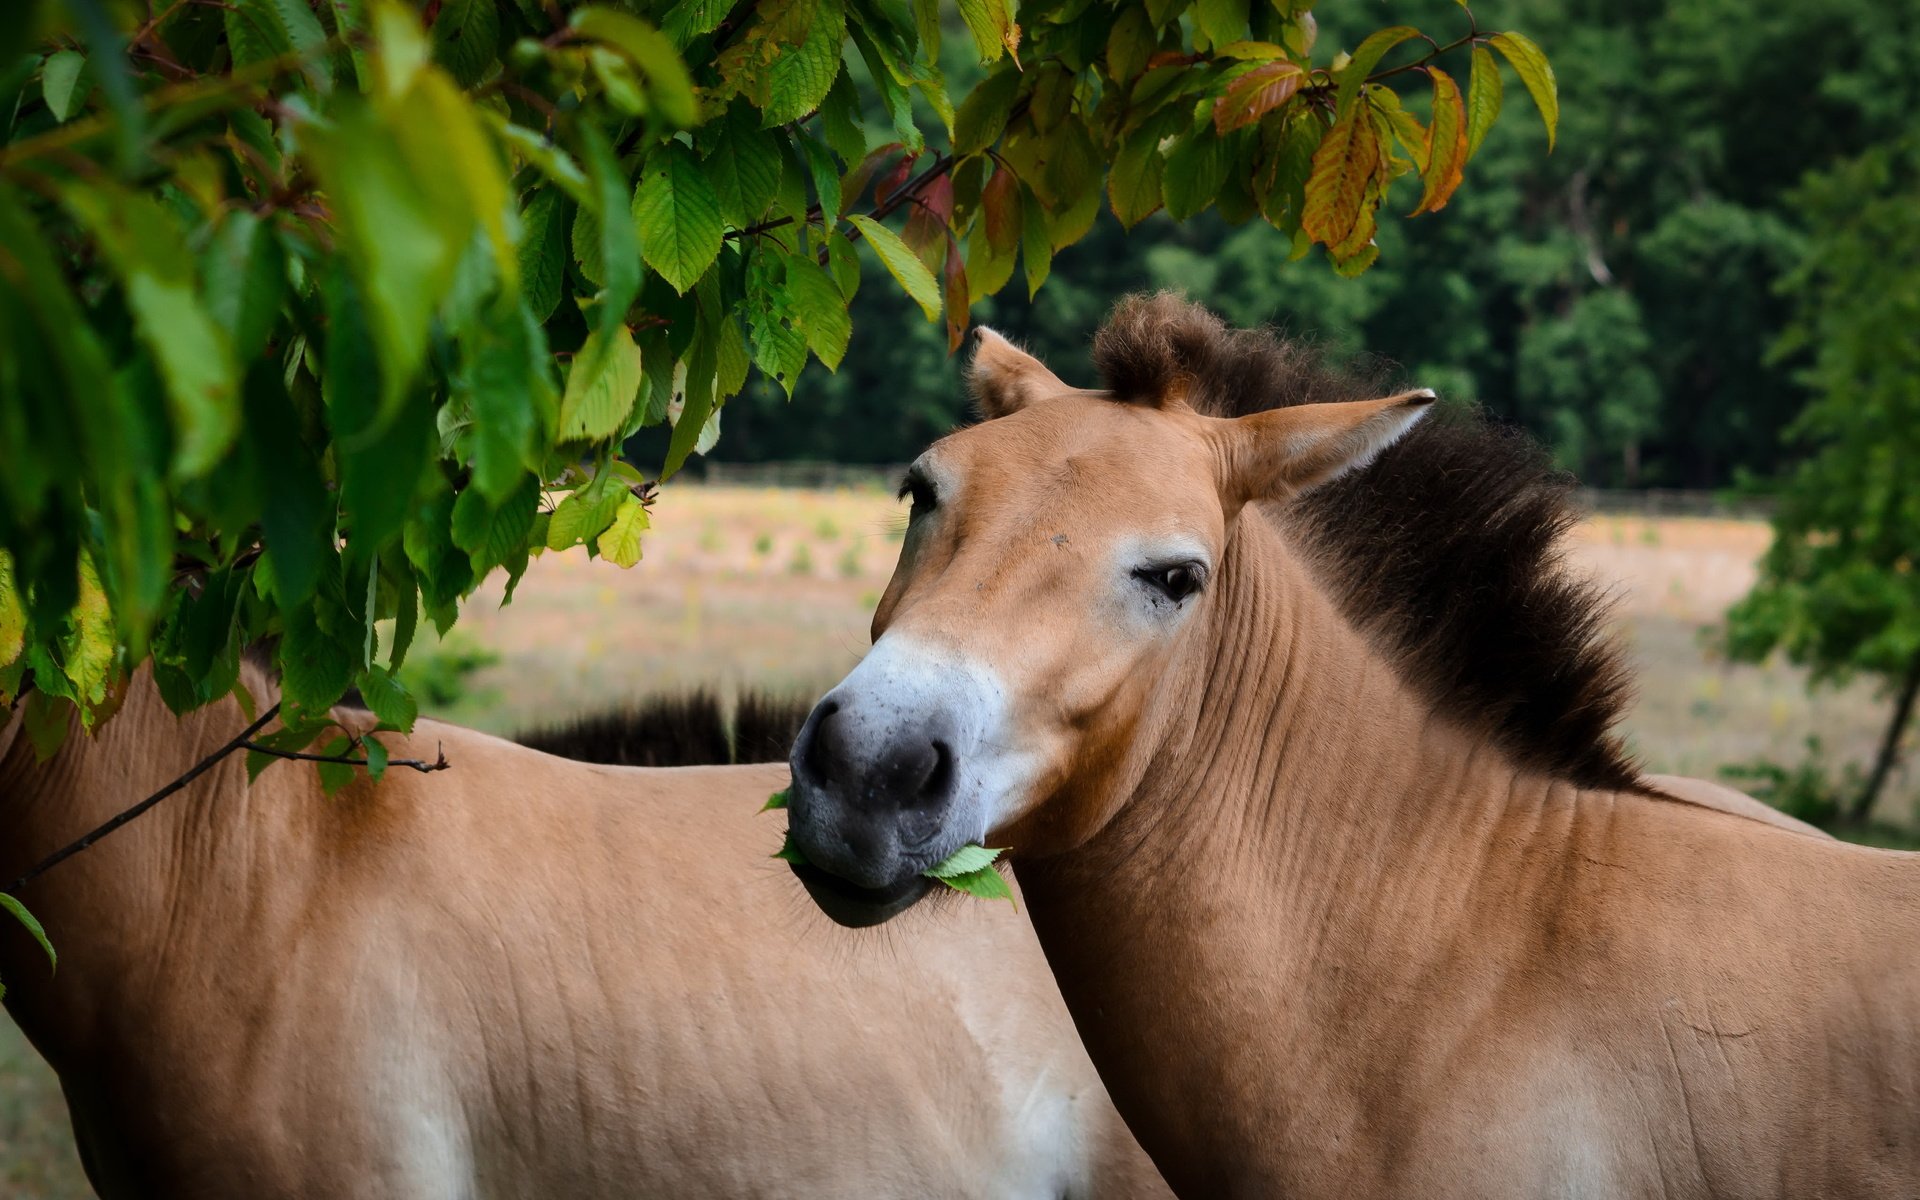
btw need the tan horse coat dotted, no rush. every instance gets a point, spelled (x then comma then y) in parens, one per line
(1324, 936)
(518, 977)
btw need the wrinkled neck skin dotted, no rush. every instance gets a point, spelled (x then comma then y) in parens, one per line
(1243, 943)
(205, 838)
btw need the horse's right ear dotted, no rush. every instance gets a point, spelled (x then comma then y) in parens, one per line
(1005, 378)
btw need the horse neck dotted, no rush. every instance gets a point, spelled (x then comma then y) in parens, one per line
(112, 908)
(1310, 849)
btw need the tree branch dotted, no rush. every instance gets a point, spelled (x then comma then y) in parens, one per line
(198, 769)
(439, 763)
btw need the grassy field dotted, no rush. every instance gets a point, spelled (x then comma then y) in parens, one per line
(745, 588)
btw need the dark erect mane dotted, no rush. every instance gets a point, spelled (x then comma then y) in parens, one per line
(1446, 550)
(678, 731)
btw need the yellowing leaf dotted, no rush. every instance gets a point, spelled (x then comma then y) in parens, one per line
(1483, 98)
(991, 24)
(901, 263)
(620, 544)
(1256, 94)
(1347, 159)
(13, 612)
(1534, 71)
(601, 388)
(1446, 144)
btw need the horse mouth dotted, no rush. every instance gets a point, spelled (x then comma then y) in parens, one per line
(858, 907)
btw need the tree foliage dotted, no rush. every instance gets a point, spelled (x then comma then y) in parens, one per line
(1839, 590)
(318, 313)
(1661, 220)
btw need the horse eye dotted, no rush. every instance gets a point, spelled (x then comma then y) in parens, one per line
(1175, 582)
(920, 492)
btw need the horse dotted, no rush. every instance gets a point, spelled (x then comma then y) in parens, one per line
(522, 976)
(1297, 736)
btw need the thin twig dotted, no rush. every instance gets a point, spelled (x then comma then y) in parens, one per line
(440, 763)
(198, 769)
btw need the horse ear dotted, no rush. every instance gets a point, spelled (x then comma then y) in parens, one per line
(1005, 378)
(1285, 451)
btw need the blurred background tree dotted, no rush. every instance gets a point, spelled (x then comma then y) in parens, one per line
(1616, 298)
(1839, 590)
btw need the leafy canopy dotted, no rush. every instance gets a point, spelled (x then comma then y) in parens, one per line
(1839, 589)
(317, 314)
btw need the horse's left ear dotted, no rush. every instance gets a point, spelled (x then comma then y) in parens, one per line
(1285, 451)
(1005, 378)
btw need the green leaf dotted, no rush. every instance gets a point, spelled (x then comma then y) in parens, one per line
(335, 775)
(388, 699)
(819, 310)
(698, 397)
(1036, 242)
(401, 245)
(1483, 98)
(376, 752)
(601, 388)
(550, 160)
(466, 39)
(492, 534)
(59, 83)
(744, 166)
(1221, 21)
(47, 719)
(1130, 43)
(542, 251)
(677, 215)
(33, 927)
(619, 248)
(777, 800)
(620, 542)
(964, 861)
(245, 276)
(902, 263)
(315, 668)
(840, 120)
(1534, 71)
(826, 177)
(148, 251)
(985, 883)
(1364, 60)
(1134, 183)
(509, 395)
(1196, 167)
(668, 83)
(982, 116)
(789, 852)
(801, 77)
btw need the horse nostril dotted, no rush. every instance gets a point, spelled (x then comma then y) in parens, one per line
(823, 750)
(939, 781)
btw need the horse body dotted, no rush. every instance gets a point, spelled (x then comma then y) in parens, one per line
(522, 976)
(1397, 966)
(1347, 886)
